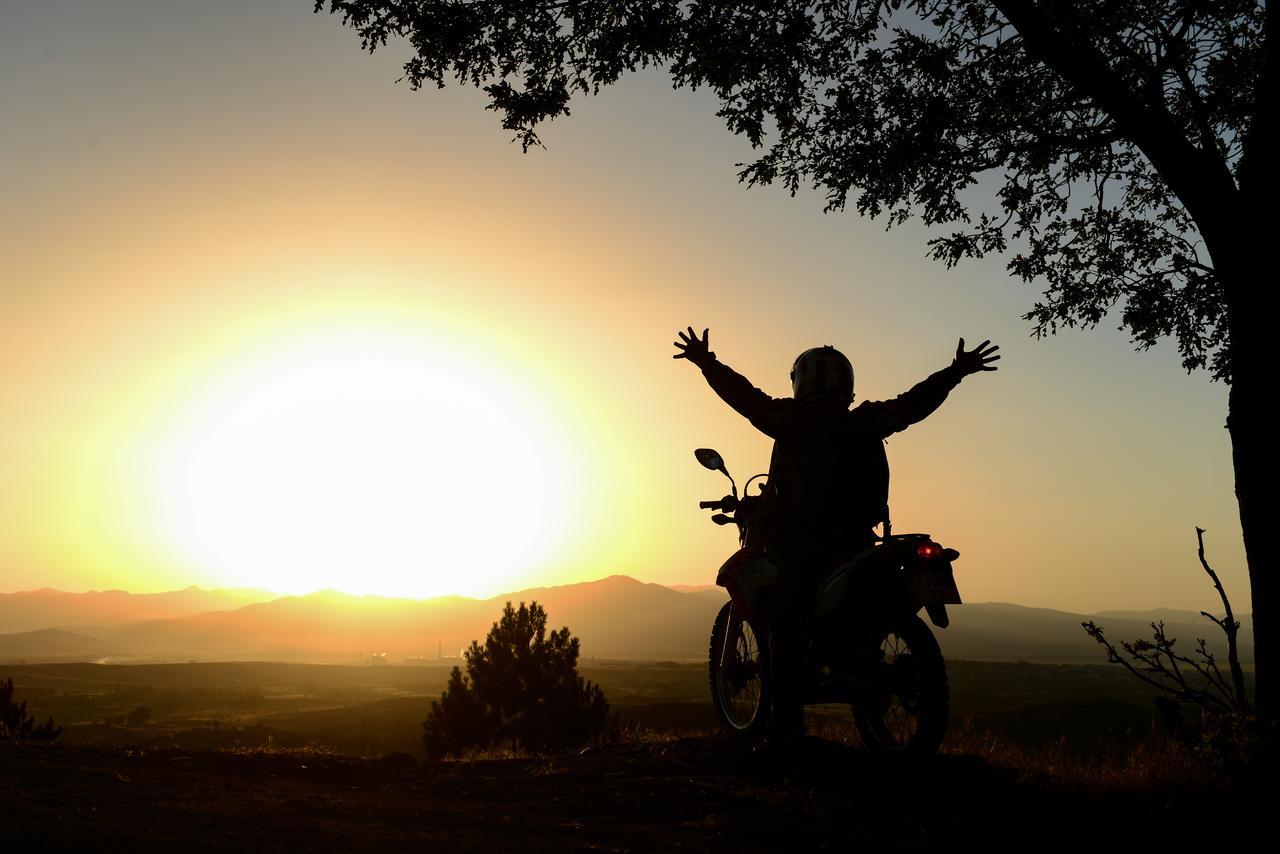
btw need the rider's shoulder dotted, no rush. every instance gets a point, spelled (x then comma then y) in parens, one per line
(866, 415)
(863, 410)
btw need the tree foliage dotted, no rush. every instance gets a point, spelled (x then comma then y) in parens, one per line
(1093, 142)
(17, 725)
(522, 689)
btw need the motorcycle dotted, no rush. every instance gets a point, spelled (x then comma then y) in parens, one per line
(868, 647)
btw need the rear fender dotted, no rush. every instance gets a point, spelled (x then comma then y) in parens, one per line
(931, 582)
(938, 614)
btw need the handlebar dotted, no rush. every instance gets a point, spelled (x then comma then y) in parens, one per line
(728, 504)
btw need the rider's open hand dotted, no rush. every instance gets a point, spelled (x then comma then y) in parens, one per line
(980, 358)
(693, 348)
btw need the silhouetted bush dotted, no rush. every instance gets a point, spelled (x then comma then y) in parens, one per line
(522, 689)
(16, 724)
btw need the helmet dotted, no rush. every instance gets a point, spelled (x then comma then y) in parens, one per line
(822, 373)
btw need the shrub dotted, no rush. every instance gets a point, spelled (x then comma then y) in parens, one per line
(16, 724)
(521, 689)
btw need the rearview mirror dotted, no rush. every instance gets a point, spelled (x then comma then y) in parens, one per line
(710, 459)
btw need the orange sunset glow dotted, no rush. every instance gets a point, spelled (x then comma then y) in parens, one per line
(269, 320)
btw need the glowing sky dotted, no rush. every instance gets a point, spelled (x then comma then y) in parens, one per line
(194, 195)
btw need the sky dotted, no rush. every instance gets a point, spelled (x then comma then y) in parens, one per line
(270, 319)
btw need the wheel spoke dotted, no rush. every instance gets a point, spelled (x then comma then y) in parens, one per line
(899, 720)
(907, 713)
(739, 675)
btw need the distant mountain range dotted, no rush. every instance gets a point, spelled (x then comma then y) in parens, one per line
(616, 617)
(99, 610)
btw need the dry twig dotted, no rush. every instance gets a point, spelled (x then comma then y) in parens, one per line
(1159, 665)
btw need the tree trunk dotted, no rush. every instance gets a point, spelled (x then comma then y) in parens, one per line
(1253, 454)
(1247, 275)
(1236, 218)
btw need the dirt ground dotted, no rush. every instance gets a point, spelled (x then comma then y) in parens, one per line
(693, 793)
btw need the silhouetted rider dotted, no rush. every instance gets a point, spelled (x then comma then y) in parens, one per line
(828, 476)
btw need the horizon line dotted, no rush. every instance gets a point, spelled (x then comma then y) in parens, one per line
(277, 595)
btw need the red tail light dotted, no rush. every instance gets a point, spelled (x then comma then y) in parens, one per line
(928, 550)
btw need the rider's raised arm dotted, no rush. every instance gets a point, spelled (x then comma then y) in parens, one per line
(766, 413)
(918, 402)
(915, 404)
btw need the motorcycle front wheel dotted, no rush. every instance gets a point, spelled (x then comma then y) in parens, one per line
(739, 673)
(906, 717)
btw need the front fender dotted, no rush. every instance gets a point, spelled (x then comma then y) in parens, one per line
(747, 575)
(728, 569)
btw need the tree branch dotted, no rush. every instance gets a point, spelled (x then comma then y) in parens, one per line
(1199, 179)
(1229, 624)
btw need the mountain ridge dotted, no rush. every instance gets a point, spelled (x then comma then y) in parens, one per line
(46, 608)
(617, 616)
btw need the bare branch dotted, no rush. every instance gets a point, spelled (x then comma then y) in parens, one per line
(1229, 625)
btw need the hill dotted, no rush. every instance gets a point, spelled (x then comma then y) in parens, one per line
(1002, 632)
(46, 643)
(616, 618)
(29, 610)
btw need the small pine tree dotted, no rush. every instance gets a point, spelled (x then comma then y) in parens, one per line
(522, 688)
(16, 724)
(457, 720)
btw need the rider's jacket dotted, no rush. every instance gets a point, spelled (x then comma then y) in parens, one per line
(828, 474)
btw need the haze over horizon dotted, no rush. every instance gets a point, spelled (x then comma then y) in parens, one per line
(269, 320)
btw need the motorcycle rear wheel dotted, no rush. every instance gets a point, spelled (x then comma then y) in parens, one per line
(908, 717)
(739, 673)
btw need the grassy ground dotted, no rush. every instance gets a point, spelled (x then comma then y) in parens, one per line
(291, 757)
(380, 709)
(642, 794)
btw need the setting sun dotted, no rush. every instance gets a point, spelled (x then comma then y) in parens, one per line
(365, 460)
